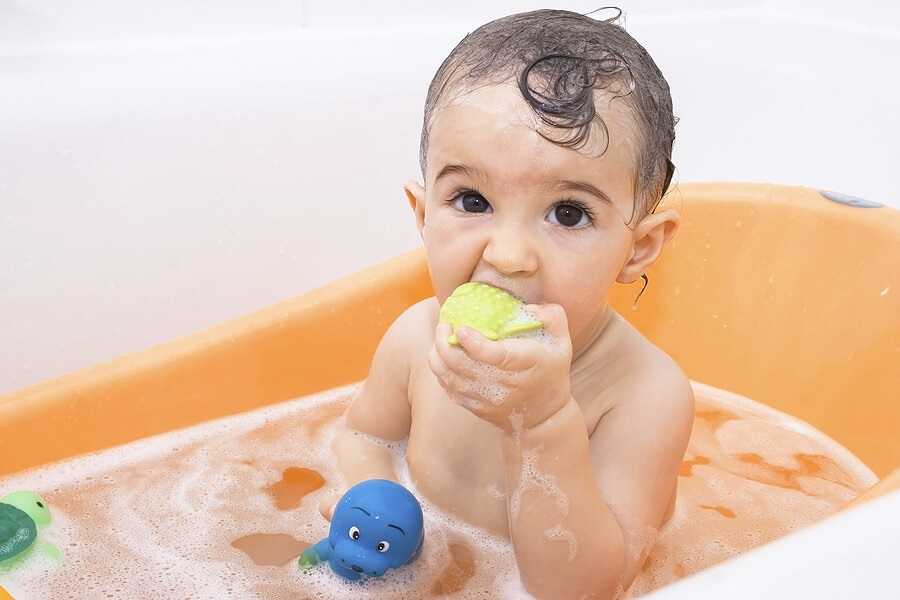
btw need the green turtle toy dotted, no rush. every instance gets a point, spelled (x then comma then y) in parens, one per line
(492, 311)
(20, 515)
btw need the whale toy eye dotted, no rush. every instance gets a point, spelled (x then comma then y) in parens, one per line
(383, 546)
(354, 533)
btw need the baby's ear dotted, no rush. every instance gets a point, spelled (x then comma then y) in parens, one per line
(415, 193)
(651, 235)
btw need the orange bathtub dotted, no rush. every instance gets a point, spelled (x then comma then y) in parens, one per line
(773, 292)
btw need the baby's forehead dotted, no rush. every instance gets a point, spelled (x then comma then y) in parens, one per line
(614, 123)
(501, 100)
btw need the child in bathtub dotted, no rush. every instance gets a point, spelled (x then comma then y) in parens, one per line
(545, 151)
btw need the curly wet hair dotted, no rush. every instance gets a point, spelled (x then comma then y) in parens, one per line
(560, 60)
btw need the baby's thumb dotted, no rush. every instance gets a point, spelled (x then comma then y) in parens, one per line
(553, 318)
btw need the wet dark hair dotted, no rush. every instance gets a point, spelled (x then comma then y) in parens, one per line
(558, 59)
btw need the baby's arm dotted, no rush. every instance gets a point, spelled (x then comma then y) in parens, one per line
(561, 484)
(618, 483)
(380, 411)
(637, 450)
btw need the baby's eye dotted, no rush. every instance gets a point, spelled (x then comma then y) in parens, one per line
(471, 202)
(569, 215)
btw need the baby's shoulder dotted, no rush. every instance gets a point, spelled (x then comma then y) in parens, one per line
(402, 347)
(415, 326)
(419, 316)
(648, 369)
(632, 351)
(638, 377)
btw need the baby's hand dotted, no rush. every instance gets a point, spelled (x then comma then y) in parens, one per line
(514, 383)
(327, 504)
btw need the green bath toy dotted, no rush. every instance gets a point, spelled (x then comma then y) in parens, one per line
(20, 515)
(493, 312)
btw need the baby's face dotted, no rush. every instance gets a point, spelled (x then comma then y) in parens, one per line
(506, 207)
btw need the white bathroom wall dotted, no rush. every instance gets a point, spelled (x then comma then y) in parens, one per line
(166, 166)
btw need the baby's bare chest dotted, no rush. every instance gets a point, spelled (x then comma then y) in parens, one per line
(455, 459)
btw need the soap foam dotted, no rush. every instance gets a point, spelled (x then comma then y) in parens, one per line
(486, 385)
(640, 536)
(533, 479)
(157, 518)
(561, 534)
(523, 315)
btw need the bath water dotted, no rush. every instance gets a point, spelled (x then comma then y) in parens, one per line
(223, 510)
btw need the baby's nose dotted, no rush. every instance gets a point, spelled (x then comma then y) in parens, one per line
(511, 250)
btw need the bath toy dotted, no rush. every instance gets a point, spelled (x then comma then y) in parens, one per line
(492, 311)
(377, 525)
(4, 595)
(20, 515)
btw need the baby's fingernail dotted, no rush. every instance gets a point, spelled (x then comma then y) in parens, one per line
(463, 334)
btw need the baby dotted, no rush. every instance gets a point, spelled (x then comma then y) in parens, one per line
(545, 151)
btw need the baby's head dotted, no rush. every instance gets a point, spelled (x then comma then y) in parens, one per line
(562, 62)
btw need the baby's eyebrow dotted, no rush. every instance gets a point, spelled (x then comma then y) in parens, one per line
(582, 186)
(466, 170)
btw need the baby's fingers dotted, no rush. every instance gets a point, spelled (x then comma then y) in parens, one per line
(553, 318)
(450, 364)
(501, 354)
(456, 380)
(521, 352)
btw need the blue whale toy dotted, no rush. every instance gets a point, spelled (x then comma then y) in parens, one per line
(377, 525)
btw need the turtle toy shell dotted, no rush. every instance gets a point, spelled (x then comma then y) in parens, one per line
(20, 515)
